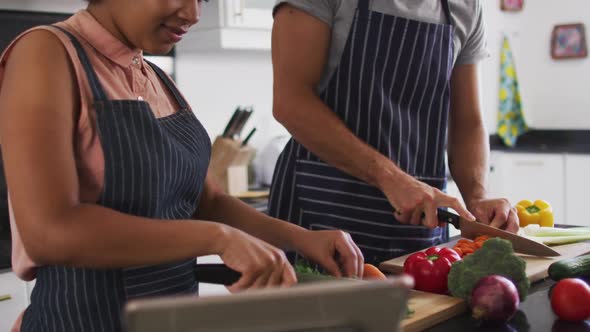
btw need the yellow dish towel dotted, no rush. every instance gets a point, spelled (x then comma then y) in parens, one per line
(511, 123)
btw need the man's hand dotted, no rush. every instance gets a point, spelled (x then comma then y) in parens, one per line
(416, 203)
(495, 212)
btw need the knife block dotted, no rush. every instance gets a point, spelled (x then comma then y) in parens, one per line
(229, 164)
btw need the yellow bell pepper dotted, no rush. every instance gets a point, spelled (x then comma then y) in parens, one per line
(538, 213)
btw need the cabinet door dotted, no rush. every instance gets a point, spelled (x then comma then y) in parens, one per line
(577, 184)
(518, 176)
(249, 14)
(54, 6)
(10, 309)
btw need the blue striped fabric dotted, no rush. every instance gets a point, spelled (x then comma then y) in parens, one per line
(392, 90)
(154, 168)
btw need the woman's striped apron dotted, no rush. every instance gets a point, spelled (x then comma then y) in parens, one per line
(154, 168)
(392, 90)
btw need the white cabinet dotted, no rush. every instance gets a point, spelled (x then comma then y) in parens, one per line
(518, 176)
(56, 6)
(231, 25)
(10, 309)
(255, 14)
(577, 184)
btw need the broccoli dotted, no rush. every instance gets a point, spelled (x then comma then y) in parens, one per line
(495, 257)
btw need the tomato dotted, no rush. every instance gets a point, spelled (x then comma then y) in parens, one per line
(571, 300)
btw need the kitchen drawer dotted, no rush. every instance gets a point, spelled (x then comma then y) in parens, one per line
(518, 176)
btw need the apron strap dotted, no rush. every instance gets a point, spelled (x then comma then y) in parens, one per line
(447, 9)
(97, 89)
(171, 87)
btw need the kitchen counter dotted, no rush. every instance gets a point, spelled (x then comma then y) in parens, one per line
(535, 314)
(547, 141)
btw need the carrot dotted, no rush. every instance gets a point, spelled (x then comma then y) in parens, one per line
(371, 272)
(459, 251)
(468, 251)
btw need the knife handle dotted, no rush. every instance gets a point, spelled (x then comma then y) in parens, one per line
(219, 274)
(449, 217)
(230, 123)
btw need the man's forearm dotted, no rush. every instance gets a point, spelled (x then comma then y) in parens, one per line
(468, 161)
(322, 132)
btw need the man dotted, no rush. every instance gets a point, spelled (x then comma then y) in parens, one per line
(368, 90)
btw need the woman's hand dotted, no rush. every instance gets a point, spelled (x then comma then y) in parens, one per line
(416, 203)
(261, 264)
(333, 250)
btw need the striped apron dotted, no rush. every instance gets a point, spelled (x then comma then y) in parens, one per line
(392, 90)
(154, 168)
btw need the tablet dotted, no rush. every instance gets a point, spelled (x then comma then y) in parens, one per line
(332, 306)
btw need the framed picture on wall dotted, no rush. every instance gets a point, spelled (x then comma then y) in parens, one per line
(511, 5)
(569, 41)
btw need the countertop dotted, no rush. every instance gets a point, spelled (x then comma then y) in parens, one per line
(535, 314)
(547, 141)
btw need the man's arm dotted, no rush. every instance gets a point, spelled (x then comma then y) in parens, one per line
(468, 150)
(300, 45)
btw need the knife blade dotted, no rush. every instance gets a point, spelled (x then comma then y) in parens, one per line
(472, 229)
(218, 273)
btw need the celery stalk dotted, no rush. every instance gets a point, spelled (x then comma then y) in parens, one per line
(556, 236)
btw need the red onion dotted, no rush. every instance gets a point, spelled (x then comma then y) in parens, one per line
(494, 298)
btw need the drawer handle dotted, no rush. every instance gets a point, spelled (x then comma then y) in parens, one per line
(529, 163)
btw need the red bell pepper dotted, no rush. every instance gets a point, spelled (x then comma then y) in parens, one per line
(430, 268)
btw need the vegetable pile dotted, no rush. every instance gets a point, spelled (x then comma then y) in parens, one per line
(466, 247)
(496, 257)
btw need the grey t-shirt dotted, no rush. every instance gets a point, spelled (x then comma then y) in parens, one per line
(469, 39)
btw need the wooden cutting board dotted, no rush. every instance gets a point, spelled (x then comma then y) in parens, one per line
(431, 309)
(536, 267)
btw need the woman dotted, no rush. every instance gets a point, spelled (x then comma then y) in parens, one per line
(106, 169)
(367, 89)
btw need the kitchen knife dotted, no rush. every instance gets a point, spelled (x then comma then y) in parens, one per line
(230, 123)
(472, 229)
(221, 274)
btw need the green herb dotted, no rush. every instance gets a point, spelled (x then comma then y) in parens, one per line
(409, 312)
(304, 266)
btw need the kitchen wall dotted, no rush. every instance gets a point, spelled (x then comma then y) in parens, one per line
(555, 94)
(216, 82)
